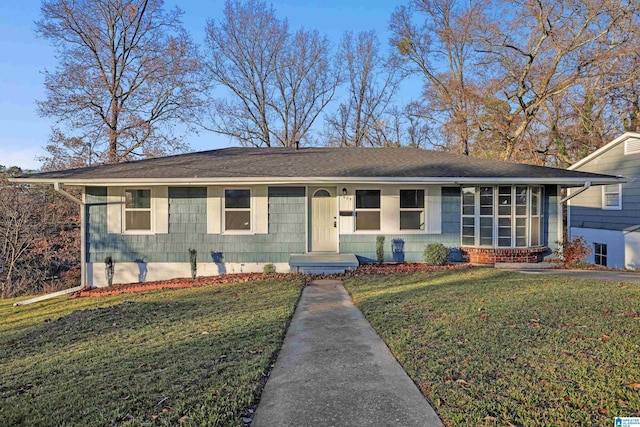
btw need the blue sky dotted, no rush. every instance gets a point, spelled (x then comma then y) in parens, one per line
(23, 134)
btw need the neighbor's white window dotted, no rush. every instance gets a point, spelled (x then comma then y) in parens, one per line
(137, 209)
(411, 209)
(600, 254)
(612, 196)
(367, 209)
(237, 210)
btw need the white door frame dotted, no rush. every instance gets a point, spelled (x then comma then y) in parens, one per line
(311, 191)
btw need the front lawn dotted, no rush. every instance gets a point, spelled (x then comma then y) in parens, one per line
(193, 356)
(496, 348)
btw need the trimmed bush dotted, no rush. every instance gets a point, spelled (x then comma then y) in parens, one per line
(380, 249)
(269, 269)
(193, 260)
(109, 269)
(436, 254)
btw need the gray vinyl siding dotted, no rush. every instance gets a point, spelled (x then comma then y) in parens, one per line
(586, 208)
(188, 229)
(364, 245)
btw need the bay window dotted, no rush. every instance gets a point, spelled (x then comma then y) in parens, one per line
(504, 216)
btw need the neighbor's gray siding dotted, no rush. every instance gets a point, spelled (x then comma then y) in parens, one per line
(364, 245)
(586, 208)
(188, 229)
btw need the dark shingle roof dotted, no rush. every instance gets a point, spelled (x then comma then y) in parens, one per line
(314, 162)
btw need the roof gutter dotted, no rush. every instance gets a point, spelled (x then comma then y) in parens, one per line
(567, 182)
(587, 185)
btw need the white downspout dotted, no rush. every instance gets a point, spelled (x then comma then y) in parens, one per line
(83, 256)
(587, 185)
(83, 279)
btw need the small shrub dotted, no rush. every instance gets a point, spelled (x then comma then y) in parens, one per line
(580, 265)
(436, 254)
(570, 251)
(269, 269)
(380, 249)
(109, 269)
(193, 259)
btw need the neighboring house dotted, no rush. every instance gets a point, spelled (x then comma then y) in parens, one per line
(608, 217)
(242, 208)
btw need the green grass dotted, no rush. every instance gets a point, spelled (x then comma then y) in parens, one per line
(491, 348)
(193, 356)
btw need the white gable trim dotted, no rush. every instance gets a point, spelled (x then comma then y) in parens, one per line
(604, 149)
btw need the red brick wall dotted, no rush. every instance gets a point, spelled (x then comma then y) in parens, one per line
(492, 255)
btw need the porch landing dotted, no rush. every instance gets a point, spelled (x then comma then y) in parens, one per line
(322, 263)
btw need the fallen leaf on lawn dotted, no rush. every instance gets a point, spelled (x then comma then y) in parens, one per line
(508, 423)
(605, 338)
(490, 418)
(205, 333)
(603, 411)
(461, 381)
(635, 385)
(562, 423)
(165, 410)
(484, 316)
(184, 418)
(154, 417)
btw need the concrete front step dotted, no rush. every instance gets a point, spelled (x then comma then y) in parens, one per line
(322, 263)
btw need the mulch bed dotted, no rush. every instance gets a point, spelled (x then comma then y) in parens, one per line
(180, 283)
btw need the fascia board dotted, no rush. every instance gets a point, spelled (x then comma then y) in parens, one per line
(319, 180)
(604, 149)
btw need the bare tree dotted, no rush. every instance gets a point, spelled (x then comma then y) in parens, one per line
(127, 73)
(371, 87)
(38, 232)
(404, 126)
(276, 83)
(544, 50)
(437, 40)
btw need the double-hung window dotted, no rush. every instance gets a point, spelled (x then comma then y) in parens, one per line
(411, 209)
(137, 210)
(367, 210)
(237, 210)
(612, 197)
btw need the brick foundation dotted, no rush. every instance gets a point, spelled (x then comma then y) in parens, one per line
(493, 255)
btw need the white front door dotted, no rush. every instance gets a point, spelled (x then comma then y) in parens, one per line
(324, 230)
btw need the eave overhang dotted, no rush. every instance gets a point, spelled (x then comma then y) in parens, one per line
(113, 182)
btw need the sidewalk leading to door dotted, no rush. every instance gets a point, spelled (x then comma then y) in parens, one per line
(334, 370)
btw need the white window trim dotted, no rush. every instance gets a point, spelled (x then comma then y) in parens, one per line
(251, 210)
(152, 219)
(356, 210)
(612, 208)
(423, 210)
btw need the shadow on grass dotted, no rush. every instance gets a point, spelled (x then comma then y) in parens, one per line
(491, 347)
(193, 354)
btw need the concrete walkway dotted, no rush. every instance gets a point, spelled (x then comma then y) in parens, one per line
(334, 370)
